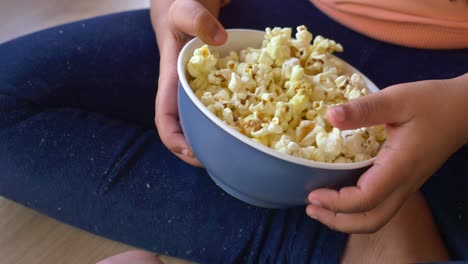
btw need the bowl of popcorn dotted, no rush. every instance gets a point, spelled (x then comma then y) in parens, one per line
(254, 113)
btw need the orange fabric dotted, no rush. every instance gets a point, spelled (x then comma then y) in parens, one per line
(432, 24)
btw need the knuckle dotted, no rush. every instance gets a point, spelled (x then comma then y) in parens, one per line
(172, 12)
(364, 109)
(200, 17)
(374, 222)
(374, 226)
(188, 16)
(165, 137)
(366, 204)
(332, 223)
(166, 141)
(332, 226)
(332, 206)
(365, 224)
(156, 122)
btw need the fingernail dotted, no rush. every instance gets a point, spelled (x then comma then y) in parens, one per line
(338, 113)
(316, 203)
(310, 213)
(186, 152)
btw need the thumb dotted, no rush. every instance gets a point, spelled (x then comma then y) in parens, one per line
(389, 106)
(194, 19)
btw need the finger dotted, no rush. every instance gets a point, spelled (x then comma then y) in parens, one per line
(171, 135)
(387, 106)
(364, 222)
(167, 117)
(392, 168)
(190, 160)
(133, 256)
(193, 18)
(174, 139)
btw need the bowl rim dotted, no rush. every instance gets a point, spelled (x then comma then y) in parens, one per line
(182, 74)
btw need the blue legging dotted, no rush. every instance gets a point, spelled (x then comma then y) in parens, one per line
(78, 142)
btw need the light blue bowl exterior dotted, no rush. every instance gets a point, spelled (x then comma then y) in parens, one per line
(249, 174)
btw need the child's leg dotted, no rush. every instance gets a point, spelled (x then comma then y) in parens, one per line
(78, 143)
(409, 237)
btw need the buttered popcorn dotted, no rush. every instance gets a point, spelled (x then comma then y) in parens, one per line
(278, 95)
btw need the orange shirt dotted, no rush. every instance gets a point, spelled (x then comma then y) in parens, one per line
(432, 24)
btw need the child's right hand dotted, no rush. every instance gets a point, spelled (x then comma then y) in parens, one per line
(426, 123)
(175, 22)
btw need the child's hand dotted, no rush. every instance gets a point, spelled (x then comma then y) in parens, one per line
(175, 22)
(426, 122)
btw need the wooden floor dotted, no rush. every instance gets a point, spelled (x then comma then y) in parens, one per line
(19, 17)
(27, 237)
